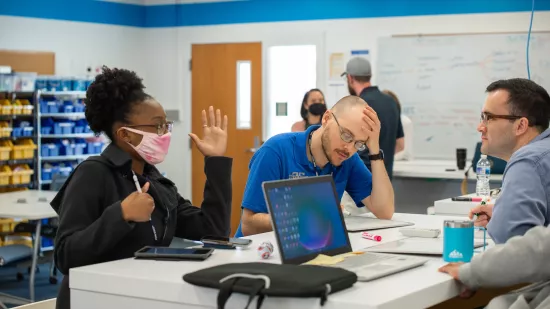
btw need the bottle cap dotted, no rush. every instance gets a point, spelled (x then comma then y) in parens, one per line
(484, 156)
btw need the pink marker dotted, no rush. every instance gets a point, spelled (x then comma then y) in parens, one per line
(371, 236)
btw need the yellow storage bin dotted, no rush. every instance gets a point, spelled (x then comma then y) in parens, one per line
(21, 174)
(24, 149)
(27, 107)
(22, 107)
(7, 225)
(16, 107)
(5, 107)
(5, 174)
(5, 129)
(5, 150)
(18, 240)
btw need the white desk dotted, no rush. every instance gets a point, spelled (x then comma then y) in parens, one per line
(36, 206)
(433, 169)
(134, 283)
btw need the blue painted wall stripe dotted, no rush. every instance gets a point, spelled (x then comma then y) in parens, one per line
(91, 11)
(251, 11)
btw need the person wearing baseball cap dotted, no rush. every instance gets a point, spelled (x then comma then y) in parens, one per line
(358, 75)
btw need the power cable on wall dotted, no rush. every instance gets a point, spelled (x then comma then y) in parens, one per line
(529, 39)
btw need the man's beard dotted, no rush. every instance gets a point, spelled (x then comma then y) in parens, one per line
(325, 144)
(351, 91)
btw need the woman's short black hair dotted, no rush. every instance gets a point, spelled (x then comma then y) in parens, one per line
(303, 110)
(110, 98)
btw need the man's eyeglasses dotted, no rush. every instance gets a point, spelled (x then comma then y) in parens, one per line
(162, 128)
(485, 117)
(348, 138)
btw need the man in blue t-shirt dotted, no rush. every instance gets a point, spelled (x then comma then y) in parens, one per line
(331, 148)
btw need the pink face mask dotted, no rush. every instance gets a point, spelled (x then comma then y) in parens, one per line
(153, 148)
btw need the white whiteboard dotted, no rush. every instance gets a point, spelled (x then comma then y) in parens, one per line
(441, 81)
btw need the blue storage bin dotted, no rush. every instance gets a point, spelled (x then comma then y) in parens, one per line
(41, 83)
(67, 148)
(53, 150)
(54, 84)
(43, 107)
(49, 107)
(68, 108)
(66, 84)
(78, 108)
(46, 242)
(80, 146)
(81, 126)
(28, 131)
(79, 149)
(63, 128)
(44, 150)
(46, 173)
(95, 147)
(17, 132)
(79, 84)
(46, 130)
(65, 170)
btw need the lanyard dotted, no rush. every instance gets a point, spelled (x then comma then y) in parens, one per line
(311, 154)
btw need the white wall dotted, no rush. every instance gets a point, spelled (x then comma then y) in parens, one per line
(161, 56)
(76, 45)
(170, 50)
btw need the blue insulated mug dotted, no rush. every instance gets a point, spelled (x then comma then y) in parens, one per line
(458, 241)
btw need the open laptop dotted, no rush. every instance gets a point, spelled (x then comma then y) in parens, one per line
(361, 223)
(308, 221)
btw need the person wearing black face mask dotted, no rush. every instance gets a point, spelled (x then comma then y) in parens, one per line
(313, 107)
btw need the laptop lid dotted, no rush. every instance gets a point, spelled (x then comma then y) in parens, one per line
(306, 218)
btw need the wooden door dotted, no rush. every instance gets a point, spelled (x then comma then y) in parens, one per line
(214, 82)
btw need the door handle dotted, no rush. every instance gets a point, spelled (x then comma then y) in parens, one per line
(256, 145)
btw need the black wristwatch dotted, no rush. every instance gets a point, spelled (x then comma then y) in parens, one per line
(378, 156)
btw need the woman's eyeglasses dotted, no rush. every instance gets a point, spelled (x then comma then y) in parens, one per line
(162, 128)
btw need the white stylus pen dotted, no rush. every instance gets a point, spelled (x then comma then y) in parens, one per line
(138, 188)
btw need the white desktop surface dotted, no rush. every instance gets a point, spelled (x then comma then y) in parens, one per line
(433, 169)
(33, 209)
(134, 283)
(449, 207)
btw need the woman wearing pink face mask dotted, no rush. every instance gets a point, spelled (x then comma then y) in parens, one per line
(116, 203)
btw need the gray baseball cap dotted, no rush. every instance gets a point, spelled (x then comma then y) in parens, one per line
(358, 66)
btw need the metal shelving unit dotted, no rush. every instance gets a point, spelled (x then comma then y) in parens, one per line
(71, 95)
(33, 99)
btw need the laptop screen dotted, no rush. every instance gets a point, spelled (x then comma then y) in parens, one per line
(306, 218)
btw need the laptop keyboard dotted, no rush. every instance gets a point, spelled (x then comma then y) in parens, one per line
(363, 260)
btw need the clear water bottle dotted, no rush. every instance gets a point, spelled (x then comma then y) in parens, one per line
(483, 171)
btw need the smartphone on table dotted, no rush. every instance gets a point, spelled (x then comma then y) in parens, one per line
(222, 242)
(173, 254)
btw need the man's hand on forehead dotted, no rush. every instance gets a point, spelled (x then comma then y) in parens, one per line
(371, 128)
(371, 119)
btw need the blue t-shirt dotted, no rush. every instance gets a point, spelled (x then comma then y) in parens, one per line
(284, 156)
